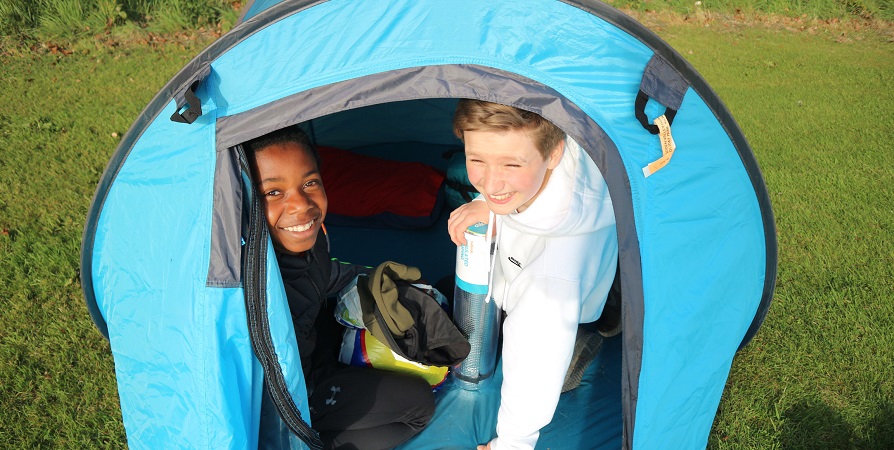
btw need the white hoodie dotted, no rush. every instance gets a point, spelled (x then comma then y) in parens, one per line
(555, 264)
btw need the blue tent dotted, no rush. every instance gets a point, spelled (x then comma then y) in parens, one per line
(179, 275)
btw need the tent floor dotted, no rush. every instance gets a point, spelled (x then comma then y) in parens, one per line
(588, 417)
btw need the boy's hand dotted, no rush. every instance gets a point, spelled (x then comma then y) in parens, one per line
(465, 216)
(484, 447)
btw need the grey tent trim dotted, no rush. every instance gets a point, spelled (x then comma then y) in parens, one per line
(662, 83)
(225, 261)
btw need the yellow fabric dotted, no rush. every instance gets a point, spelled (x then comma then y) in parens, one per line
(379, 356)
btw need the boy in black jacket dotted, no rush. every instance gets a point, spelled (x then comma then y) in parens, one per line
(351, 407)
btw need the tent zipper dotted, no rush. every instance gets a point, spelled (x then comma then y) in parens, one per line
(254, 264)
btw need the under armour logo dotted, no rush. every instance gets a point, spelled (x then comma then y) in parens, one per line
(515, 261)
(331, 400)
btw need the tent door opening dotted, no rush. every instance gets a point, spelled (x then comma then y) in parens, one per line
(420, 131)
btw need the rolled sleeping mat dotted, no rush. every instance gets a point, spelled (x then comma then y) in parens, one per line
(476, 315)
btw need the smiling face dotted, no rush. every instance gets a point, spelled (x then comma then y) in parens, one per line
(289, 183)
(507, 168)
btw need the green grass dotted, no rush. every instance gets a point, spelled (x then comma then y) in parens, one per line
(815, 105)
(68, 23)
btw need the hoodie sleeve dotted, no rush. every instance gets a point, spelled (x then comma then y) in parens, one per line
(538, 341)
(343, 273)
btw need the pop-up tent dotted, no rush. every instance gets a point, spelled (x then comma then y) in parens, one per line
(179, 275)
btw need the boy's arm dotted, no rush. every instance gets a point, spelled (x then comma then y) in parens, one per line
(343, 273)
(538, 340)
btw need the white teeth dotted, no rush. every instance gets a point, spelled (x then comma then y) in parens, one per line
(500, 197)
(300, 228)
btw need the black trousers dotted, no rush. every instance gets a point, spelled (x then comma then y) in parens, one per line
(358, 408)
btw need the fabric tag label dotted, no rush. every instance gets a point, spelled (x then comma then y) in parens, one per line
(667, 147)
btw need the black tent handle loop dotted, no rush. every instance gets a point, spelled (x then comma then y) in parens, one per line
(193, 104)
(639, 109)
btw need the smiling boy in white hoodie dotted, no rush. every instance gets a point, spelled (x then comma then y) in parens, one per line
(556, 253)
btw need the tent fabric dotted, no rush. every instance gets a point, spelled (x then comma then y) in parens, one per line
(167, 283)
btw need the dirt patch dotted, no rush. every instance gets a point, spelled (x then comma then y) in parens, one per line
(844, 31)
(111, 41)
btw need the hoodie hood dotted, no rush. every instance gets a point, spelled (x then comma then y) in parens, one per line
(575, 199)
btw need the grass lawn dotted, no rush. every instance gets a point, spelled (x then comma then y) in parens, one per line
(814, 103)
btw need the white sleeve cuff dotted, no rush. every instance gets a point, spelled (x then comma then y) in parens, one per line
(526, 443)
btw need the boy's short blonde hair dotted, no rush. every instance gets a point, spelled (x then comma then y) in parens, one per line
(479, 115)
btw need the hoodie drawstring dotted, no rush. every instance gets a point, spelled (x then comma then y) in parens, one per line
(492, 244)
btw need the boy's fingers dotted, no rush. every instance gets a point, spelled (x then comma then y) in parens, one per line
(454, 225)
(462, 218)
(457, 236)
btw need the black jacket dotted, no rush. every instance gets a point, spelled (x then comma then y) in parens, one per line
(309, 280)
